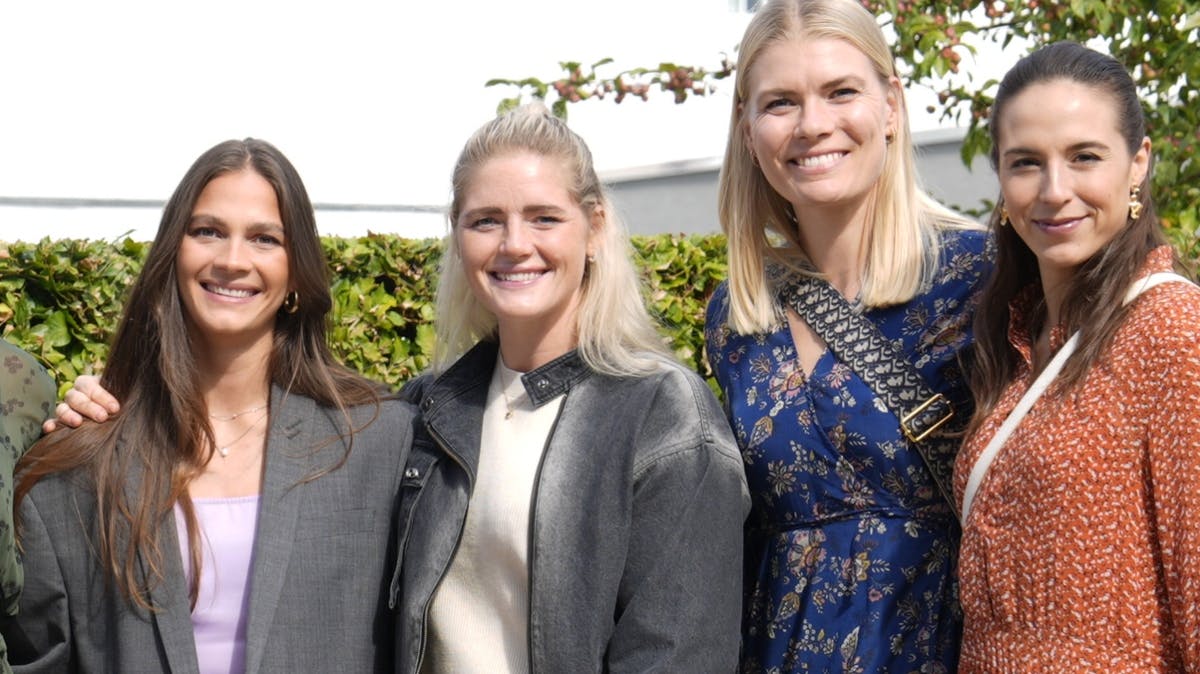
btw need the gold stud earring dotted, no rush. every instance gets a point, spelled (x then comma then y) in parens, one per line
(1004, 221)
(1135, 202)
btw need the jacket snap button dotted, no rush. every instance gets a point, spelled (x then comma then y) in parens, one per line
(542, 384)
(426, 404)
(412, 473)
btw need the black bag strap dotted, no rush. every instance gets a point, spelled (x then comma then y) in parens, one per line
(859, 343)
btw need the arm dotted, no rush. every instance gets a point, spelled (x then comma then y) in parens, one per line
(1174, 449)
(26, 395)
(681, 594)
(39, 637)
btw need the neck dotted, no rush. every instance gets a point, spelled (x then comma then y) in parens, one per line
(524, 352)
(1054, 289)
(836, 244)
(233, 380)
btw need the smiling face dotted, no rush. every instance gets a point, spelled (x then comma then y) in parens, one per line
(524, 242)
(1066, 173)
(817, 118)
(232, 267)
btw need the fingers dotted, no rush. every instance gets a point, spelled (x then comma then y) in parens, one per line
(76, 406)
(89, 385)
(63, 415)
(49, 426)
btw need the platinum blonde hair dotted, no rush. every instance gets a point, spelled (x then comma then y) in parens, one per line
(903, 221)
(616, 334)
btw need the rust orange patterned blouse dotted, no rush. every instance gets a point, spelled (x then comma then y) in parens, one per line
(1082, 551)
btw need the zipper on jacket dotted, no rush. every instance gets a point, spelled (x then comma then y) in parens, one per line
(537, 487)
(453, 553)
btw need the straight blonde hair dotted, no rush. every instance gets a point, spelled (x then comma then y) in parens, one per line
(903, 221)
(616, 334)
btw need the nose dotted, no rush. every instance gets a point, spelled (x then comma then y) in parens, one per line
(1055, 187)
(232, 255)
(813, 120)
(517, 241)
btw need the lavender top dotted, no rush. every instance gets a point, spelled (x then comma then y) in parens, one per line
(227, 527)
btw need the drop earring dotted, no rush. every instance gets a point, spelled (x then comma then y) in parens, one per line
(1004, 220)
(1135, 202)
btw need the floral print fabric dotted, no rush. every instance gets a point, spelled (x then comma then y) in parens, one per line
(850, 548)
(27, 396)
(1082, 549)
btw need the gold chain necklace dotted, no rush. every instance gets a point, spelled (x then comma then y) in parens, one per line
(231, 417)
(509, 403)
(223, 448)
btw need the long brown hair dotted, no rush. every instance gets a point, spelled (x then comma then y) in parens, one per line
(162, 434)
(1093, 303)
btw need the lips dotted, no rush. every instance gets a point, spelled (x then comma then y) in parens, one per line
(1056, 224)
(818, 160)
(226, 291)
(517, 276)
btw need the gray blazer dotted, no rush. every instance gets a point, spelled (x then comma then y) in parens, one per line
(316, 588)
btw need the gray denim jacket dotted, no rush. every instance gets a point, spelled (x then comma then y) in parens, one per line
(636, 534)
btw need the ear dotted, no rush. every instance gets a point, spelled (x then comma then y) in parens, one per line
(744, 126)
(599, 221)
(1140, 163)
(894, 99)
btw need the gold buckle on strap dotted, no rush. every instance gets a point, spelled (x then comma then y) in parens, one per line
(912, 435)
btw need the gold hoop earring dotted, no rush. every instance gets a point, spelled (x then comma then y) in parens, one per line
(291, 302)
(1135, 202)
(1004, 221)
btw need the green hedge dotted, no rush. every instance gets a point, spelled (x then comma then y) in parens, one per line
(60, 300)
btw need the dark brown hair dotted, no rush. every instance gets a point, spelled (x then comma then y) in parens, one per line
(1094, 297)
(163, 434)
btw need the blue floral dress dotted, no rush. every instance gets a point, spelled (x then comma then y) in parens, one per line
(850, 547)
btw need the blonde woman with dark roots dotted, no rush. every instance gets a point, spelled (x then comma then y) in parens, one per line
(838, 341)
(574, 500)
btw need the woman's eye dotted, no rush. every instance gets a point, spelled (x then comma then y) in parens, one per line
(547, 220)
(483, 223)
(1087, 157)
(267, 240)
(778, 104)
(203, 232)
(1023, 162)
(844, 92)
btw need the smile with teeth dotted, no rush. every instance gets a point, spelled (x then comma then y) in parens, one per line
(239, 293)
(517, 277)
(819, 159)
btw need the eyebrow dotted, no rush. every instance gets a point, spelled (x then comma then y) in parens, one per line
(493, 210)
(205, 219)
(1085, 145)
(835, 83)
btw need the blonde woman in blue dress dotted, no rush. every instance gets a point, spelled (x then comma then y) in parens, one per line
(851, 542)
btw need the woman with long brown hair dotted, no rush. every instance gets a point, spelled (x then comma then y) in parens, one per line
(236, 514)
(1080, 484)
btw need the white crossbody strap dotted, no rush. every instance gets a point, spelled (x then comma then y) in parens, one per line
(1039, 386)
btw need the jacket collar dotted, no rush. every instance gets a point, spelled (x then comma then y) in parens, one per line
(452, 405)
(475, 366)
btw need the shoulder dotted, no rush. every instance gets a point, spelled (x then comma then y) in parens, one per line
(965, 260)
(718, 305)
(679, 412)
(1168, 315)
(63, 500)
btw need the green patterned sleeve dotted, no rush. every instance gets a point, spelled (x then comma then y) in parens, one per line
(27, 396)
